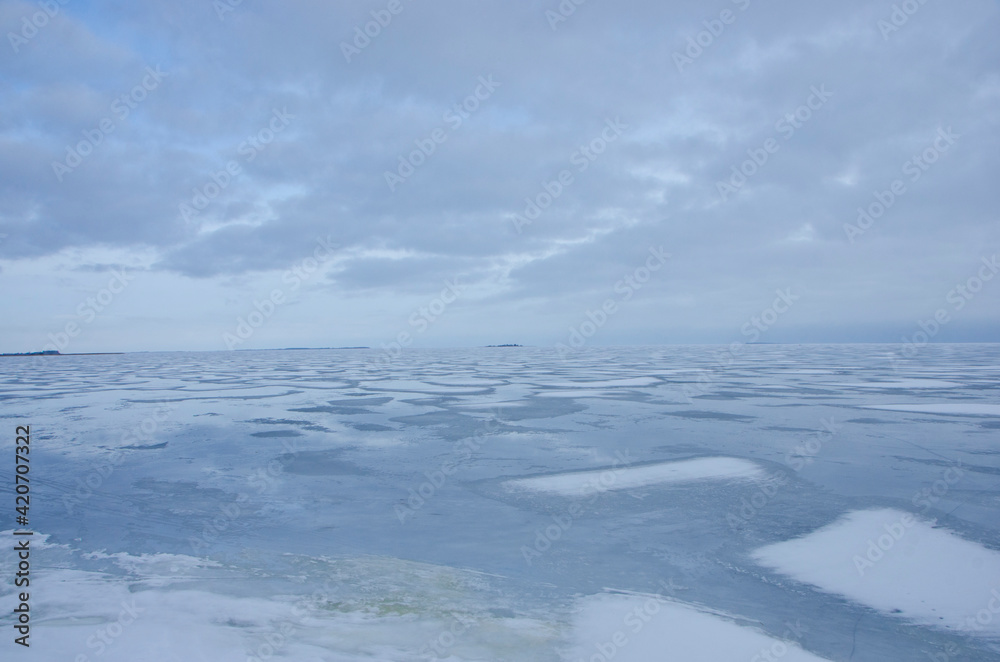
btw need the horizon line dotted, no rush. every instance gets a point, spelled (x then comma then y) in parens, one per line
(500, 346)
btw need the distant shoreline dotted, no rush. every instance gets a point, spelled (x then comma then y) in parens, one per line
(510, 345)
(282, 349)
(296, 349)
(51, 353)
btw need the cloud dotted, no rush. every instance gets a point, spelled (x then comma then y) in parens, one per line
(323, 172)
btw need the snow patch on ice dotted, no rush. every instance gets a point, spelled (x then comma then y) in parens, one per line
(363, 610)
(893, 562)
(580, 394)
(149, 564)
(950, 408)
(583, 483)
(904, 383)
(639, 627)
(606, 383)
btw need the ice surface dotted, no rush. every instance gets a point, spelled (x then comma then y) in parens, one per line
(434, 507)
(894, 562)
(584, 483)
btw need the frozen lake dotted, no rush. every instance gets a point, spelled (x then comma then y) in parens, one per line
(811, 502)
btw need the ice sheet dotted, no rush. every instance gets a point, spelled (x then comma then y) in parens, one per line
(271, 472)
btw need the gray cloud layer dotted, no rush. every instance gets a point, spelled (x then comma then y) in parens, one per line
(266, 89)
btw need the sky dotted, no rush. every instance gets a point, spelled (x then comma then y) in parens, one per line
(213, 175)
